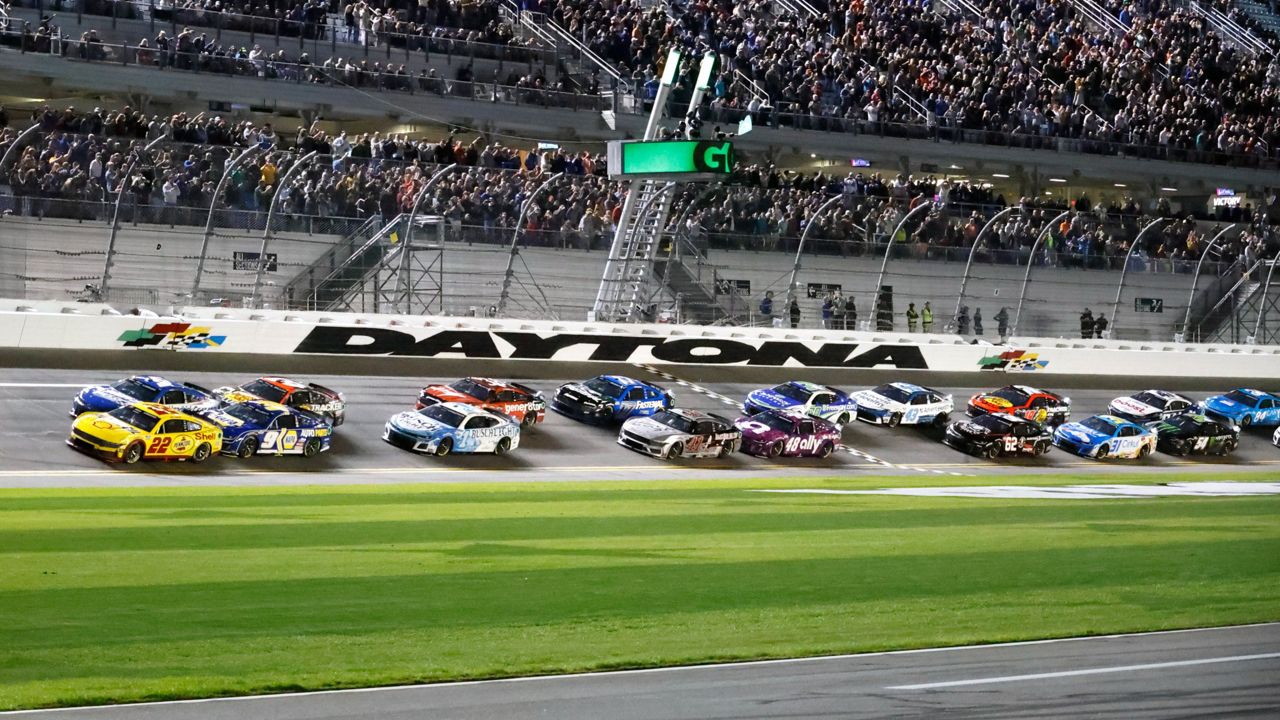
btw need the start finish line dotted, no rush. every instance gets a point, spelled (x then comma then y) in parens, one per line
(1068, 492)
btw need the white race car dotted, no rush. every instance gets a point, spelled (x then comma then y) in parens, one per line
(903, 404)
(1150, 406)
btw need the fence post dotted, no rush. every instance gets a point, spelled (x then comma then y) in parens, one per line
(115, 217)
(271, 212)
(804, 237)
(884, 264)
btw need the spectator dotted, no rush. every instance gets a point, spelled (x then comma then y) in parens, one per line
(977, 321)
(851, 312)
(1086, 324)
(913, 317)
(962, 320)
(1100, 326)
(794, 311)
(1002, 323)
(766, 307)
(926, 317)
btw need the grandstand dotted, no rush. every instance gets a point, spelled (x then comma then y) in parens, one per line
(1060, 154)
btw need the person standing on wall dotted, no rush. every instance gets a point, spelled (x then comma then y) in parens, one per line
(926, 318)
(977, 321)
(1002, 323)
(913, 317)
(962, 320)
(826, 312)
(795, 313)
(850, 313)
(837, 311)
(1100, 326)
(766, 308)
(1086, 324)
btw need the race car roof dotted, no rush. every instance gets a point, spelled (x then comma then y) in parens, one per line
(1028, 390)
(622, 380)
(284, 383)
(910, 387)
(154, 382)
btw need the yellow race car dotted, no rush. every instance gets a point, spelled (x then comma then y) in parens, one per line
(145, 430)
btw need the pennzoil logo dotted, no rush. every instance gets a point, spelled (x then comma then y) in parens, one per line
(172, 336)
(1013, 361)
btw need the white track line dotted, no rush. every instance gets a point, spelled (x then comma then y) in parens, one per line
(1087, 671)
(738, 406)
(646, 671)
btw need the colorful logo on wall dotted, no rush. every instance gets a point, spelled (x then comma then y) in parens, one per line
(1013, 361)
(172, 336)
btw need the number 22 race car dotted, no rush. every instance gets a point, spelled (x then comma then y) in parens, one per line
(145, 431)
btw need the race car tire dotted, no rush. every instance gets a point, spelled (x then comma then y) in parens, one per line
(202, 453)
(311, 448)
(528, 420)
(503, 446)
(1144, 451)
(1228, 447)
(1178, 447)
(842, 420)
(1246, 421)
(445, 447)
(893, 420)
(675, 451)
(775, 449)
(1103, 450)
(941, 420)
(826, 450)
(248, 448)
(133, 453)
(728, 449)
(1040, 448)
(991, 452)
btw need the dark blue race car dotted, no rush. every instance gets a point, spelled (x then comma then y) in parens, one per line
(260, 427)
(610, 398)
(143, 388)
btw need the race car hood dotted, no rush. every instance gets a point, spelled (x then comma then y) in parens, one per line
(971, 429)
(756, 431)
(649, 429)
(586, 392)
(767, 398)
(990, 402)
(1081, 434)
(234, 395)
(103, 397)
(417, 424)
(1130, 406)
(105, 428)
(444, 393)
(1225, 405)
(232, 426)
(872, 399)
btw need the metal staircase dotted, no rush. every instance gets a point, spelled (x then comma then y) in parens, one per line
(327, 280)
(624, 294)
(1254, 312)
(700, 295)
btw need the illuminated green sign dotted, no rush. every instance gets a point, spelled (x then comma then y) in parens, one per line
(671, 158)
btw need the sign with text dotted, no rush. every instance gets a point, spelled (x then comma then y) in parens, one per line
(674, 159)
(249, 261)
(1148, 305)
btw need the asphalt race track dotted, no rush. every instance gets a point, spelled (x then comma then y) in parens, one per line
(1225, 672)
(34, 422)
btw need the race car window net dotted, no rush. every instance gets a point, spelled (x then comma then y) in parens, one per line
(674, 421)
(1183, 422)
(893, 393)
(774, 422)
(134, 390)
(604, 387)
(264, 390)
(791, 392)
(134, 417)
(249, 414)
(448, 416)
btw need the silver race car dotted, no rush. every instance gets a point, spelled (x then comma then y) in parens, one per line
(670, 434)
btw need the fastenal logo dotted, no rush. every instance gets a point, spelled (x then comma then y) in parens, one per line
(172, 336)
(1013, 361)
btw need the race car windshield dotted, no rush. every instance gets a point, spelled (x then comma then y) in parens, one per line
(776, 422)
(677, 422)
(135, 390)
(991, 423)
(603, 387)
(448, 416)
(791, 392)
(1013, 395)
(1240, 397)
(1151, 399)
(250, 415)
(1184, 422)
(474, 389)
(264, 390)
(135, 417)
(894, 393)
(1099, 425)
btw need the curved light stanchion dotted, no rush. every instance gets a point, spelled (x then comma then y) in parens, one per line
(1031, 262)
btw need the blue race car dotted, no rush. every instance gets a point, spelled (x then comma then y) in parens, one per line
(803, 397)
(452, 427)
(261, 427)
(1106, 436)
(610, 399)
(143, 388)
(1244, 407)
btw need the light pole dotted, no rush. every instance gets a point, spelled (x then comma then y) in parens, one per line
(804, 238)
(1195, 279)
(964, 280)
(1137, 242)
(282, 183)
(515, 241)
(875, 298)
(1031, 261)
(115, 215)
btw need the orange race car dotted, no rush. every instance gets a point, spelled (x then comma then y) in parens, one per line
(309, 397)
(1030, 403)
(524, 404)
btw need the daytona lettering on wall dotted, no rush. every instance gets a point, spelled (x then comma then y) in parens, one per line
(338, 340)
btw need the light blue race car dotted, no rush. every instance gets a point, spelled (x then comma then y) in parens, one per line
(259, 427)
(803, 397)
(1106, 436)
(452, 427)
(1245, 407)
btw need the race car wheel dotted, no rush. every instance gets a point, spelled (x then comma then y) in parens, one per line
(1102, 451)
(133, 453)
(826, 450)
(1179, 447)
(675, 451)
(528, 420)
(1144, 451)
(842, 420)
(1228, 447)
(728, 449)
(775, 449)
(991, 452)
(941, 420)
(504, 444)
(311, 448)
(248, 448)
(202, 453)
(445, 447)
(894, 419)
(1246, 421)
(1041, 448)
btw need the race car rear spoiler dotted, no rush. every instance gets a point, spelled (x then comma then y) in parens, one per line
(328, 391)
(525, 388)
(200, 388)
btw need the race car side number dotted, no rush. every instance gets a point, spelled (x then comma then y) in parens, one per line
(281, 440)
(159, 445)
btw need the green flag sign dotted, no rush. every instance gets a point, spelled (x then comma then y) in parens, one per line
(671, 158)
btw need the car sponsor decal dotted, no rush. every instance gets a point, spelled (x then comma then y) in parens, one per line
(172, 336)
(1013, 361)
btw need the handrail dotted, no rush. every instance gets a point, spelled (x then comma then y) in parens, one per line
(1241, 36)
(582, 49)
(1229, 295)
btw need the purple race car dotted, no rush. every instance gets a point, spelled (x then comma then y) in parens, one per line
(773, 433)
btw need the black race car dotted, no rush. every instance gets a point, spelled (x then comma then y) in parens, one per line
(994, 435)
(1195, 434)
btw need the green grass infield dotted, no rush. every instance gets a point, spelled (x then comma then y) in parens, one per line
(113, 595)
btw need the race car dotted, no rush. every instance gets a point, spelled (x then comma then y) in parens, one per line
(452, 427)
(142, 388)
(991, 436)
(1105, 436)
(792, 433)
(806, 397)
(520, 402)
(148, 431)
(670, 434)
(898, 403)
(1275, 438)
(1026, 402)
(1150, 405)
(258, 427)
(1244, 407)
(1195, 434)
(313, 398)
(610, 398)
